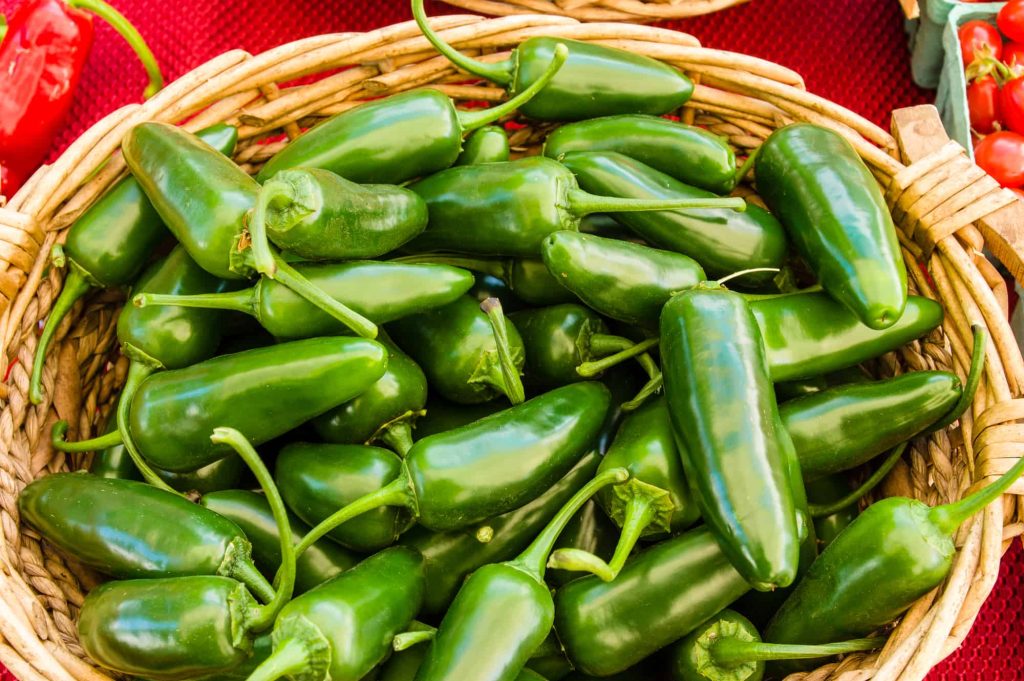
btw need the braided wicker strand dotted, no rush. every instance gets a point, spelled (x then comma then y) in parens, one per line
(739, 97)
(639, 11)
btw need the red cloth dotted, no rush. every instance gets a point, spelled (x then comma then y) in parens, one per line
(852, 52)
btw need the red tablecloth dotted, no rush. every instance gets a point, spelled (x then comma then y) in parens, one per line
(850, 51)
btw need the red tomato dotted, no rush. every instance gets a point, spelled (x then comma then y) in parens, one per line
(1001, 155)
(1013, 54)
(1011, 104)
(983, 104)
(1011, 20)
(975, 36)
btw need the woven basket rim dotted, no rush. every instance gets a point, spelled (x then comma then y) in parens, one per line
(600, 10)
(938, 201)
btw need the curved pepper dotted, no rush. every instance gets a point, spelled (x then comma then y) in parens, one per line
(690, 154)
(732, 442)
(661, 595)
(401, 137)
(595, 81)
(508, 208)
(837, 218)
(526, 278)
(488, 144)
(470, 353)
(108, 246)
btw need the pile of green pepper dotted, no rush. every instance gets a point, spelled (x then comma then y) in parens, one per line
(390, 399)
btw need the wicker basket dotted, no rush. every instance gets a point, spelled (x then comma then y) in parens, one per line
(639, 11)
(946, 208)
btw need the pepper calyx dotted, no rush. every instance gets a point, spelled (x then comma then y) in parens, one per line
(704, 657)
(297, 631)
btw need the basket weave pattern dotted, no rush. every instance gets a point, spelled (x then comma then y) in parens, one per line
(600, 10)
(935, 201)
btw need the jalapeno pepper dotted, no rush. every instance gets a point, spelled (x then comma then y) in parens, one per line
(896, 551)
(488, 144)
(837, 218)
(504, 611)
(690, 154)
(621, 280)
(661, 595)
(108, 246)
(732, 442)
(443, 415)
(595, 81)
(826, 490)
(470, 353)
(722, 241)
(528, 279)
(401, 137)
(508, 208)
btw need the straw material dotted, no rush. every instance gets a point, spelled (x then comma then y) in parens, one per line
(639, 11)
(937, 197)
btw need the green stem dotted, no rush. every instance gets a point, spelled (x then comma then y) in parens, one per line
(398, 437)
(265, 615)
(471, 120)
(75, 286)
(289, 658)
(137, 373)
(973, 380)
(500, 73)
(825, 510)
(650, 368)
(408, 639)
(533, 560)
(950, 516)
(60, 429)
(3, 27)
(590, 369)
(650, 388)
(732, 652)
(495, 268)
(639, 513)
(511, 383)
(750, 297)
(237, 301)
(131, 35)
(273, 192)
(581, 203)
(245, 572)
(602, 344)
(744, 170)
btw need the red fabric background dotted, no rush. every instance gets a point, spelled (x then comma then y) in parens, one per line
(850, 51)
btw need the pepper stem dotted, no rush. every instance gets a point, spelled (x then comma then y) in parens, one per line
(582, 203)
(650, 388)
(137, 373)
(3, 27)
(60, 429)
(743, 273)
(512, 385)
(75, 286)
(534, 559)
(973, 380)
(500, 73)
(273, 192)
(408, 639)
(595, 367)
(729, 652)
(398, 436)
(265, 615)
(291, 657)
(495, 268)
(602, 344)
(471, 120)
(237, 301)
(825, 510)
(950, 516)
(131, 35)
(745, 169)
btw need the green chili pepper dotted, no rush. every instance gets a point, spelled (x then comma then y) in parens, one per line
(470, 353)
(826, 490)
(722, 241)
(343, 629)
(108, 246)
(401, 137)
(497, 464)
(590, 532)
(508, 208)
(443, 415)
(790, 390)
(183, 627)
(732, 442)
(728, 648)
(528, 279)
(690, 154)
(595, 81)
(834, 211)
(205, 200)
(404, 664)
(488, 144)
(125, 528)
(621, 280)
(504, 611)
(661, 595)
(843, 427)
(896, 551)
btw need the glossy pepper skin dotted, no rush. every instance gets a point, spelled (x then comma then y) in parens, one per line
(251, 512)
(809, 334)
(128, 529)
(443, 415)
(557, 339)
(837, 219)
(488, 144)
(317, 479)
(843, 427)
(619, 279)
(661, 595)
(732, 442)
(527, 279)
(343, 628)
(690, 154)
(173, 412)
(456, 348)
(722, 241)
